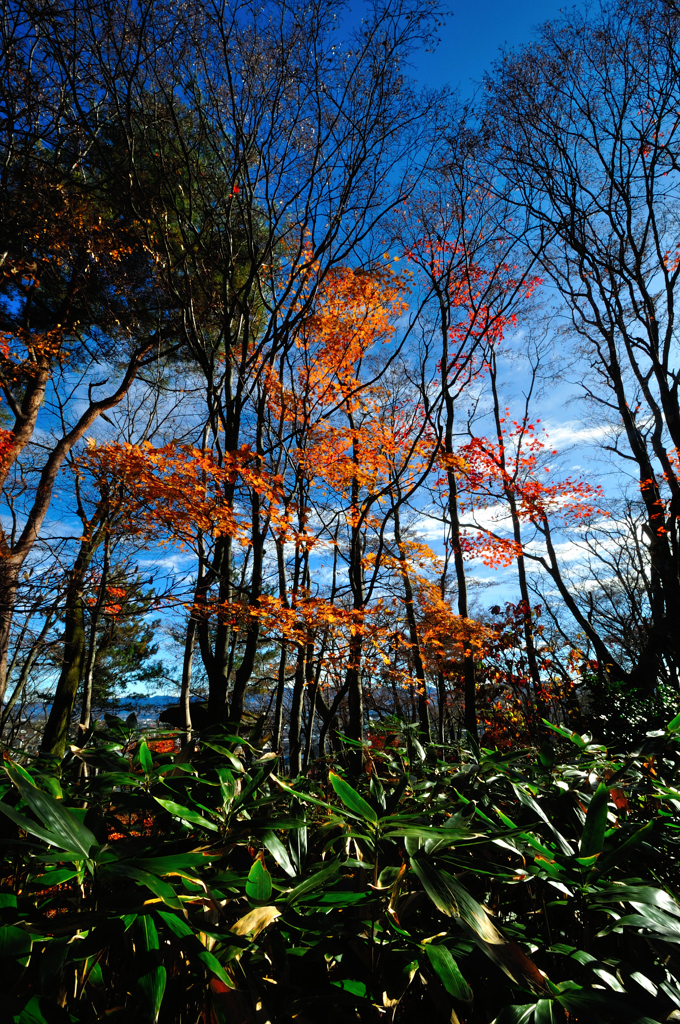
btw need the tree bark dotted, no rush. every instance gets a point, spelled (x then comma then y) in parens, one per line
(422, 700)
(55, 735)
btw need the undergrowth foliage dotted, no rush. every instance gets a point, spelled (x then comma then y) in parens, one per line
(469, 885)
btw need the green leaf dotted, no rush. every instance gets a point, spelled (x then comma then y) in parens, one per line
(39, 1010)
(227, 786)
(186, 814)
(19, 770)
(355, 988)
(453, 899)
(377, 792)
(448, 972)
(72, 833)
(567, 734)
(436, 838)
(159, 888)
(15, 942)
(152, 976)
(527, 798)
(352, 799)
(595, 825)
(340, 899)
(589, 1002)
(311, 883)
(543, 1013)
(623, 851)
(674, 724)
(259, 884)
(515, 1014)
(298, 846)
(55, 877)
(144, 757)
(418, 748)
(175, 862)
(179, 927)
(638, 894)
(34, 830)
(251, 783)
(435, 884)
(305, 797)
(278, 851)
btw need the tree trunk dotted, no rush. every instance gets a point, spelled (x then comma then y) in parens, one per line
(508, 485)
(469, 672)
(86, 712)
(423, 713)
(187, 665)
(9, 584)
(295, 722)
(25, 671)
(278, 706)
(56, 730)
(311, 686)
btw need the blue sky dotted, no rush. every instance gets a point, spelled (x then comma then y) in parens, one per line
(472, 38)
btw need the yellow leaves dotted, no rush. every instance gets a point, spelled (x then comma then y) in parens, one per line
(354, 312)
(178, 490)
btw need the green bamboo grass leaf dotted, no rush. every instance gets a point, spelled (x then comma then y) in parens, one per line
(674, 724)
(638, 894)
(36, 830)
(437, 838)
(340, 899)
(175, 862)
(567, 734)
(179, 927)
(544, 1012)
(418, 748)
(394, 799)
(448, 972)
(377, 792)
(449, 896)
(259, 883)
(227, 786)
(252, 783)
(590, 1003)
(352, 799)
(278, 852)
(298, 846)
(515, 1014)
(435, 885)
(527, 798)
(358, 989)
(158, 887)
(39, 1010)
(311, 883)
(55, 877)
(186, 814)
(19, 770)
(655, 910)
(144, 757)
(72, 833)
(15, 943)
(623, 852)
(595, 825)
(152, 978)
(304, 797)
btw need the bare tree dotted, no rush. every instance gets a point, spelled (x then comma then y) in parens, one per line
(585, 128)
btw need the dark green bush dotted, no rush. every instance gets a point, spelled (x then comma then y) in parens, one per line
(448, 885)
